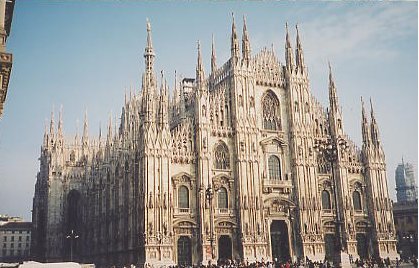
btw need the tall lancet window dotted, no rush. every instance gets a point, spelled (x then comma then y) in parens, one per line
(221, 156)
(326, 200)
(274, 168)
(271, 112)
(183, 197)
(356, 197)
(222, 198)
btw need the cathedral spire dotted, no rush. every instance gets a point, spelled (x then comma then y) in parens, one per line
(375, 133)
(109, 137)
(149, 51)
(149, 87)
(60, 123)
(245, 42)
(52, 124)
(289, 58)
(85, 130)
(213, 56)
(299, 55)
(365, 128)
(333, 98)
(175, 91)
(163, 104)
(335, 114)
(234, 41)
(200, 75)
(45, 133)
(76, 137)
(51, 135)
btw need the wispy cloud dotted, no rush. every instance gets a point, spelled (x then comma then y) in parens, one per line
(360, 32)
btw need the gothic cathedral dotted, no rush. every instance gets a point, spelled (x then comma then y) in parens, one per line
(242, 164)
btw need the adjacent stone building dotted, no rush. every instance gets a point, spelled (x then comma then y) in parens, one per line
(242, 163)
(6, 219)
(15, 241)
(406, 210)
(405, 183)
(6, 59)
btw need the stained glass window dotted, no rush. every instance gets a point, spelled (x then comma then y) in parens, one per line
(326, 200)
(222, 198)
(274, 168)
(222, 157)
(183, 197)
(271, 112)
(357, 200)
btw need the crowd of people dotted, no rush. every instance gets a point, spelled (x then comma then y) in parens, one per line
(300, 263)
(381, 263)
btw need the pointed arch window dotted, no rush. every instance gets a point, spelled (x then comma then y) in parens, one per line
(271, 112)
(326, 200)
(183, 197)
(222, 198)
(72, 156)
(221, 156)
(356, 197)
(274, 167)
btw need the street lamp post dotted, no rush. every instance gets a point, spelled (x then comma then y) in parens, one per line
(72, 236)
(209, 194)
(291, 218)
(330, 149)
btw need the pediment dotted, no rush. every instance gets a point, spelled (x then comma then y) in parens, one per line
(273, 140)
(182, 177)
(183, 223)
(277, 201)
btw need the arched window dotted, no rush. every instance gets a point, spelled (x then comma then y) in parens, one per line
(357, 200)
(222, 198)
(126, 166)
(183, 197)
(222, 156)
(271, 112)
(74, 211)
(326, 200)
(274, 168)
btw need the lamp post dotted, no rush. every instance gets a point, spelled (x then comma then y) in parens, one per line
(329, 149)
(72, 236)
(209, 194)
(291, 217)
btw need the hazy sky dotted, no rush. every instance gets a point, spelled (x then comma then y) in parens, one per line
(86, 54)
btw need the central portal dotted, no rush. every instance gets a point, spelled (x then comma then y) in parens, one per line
(362, 246)
(330, 246)
(224, 248)
(279, 241)
(184, 251)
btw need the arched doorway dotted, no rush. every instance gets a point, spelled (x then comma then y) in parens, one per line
(184, 251)
(330, 246)
(74, 224)
(279, 241)
(225, 248)
(362, 246)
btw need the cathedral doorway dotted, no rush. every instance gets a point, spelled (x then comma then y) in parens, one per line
(74, 224)
(362, 246)
(225, 248)
(184, 251)
(279, 241)
(330, 246)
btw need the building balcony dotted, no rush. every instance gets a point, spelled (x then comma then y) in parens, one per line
(224, 212)
(182, 211)
(281, 186)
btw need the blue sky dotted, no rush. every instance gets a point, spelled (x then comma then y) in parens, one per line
(84, 55)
